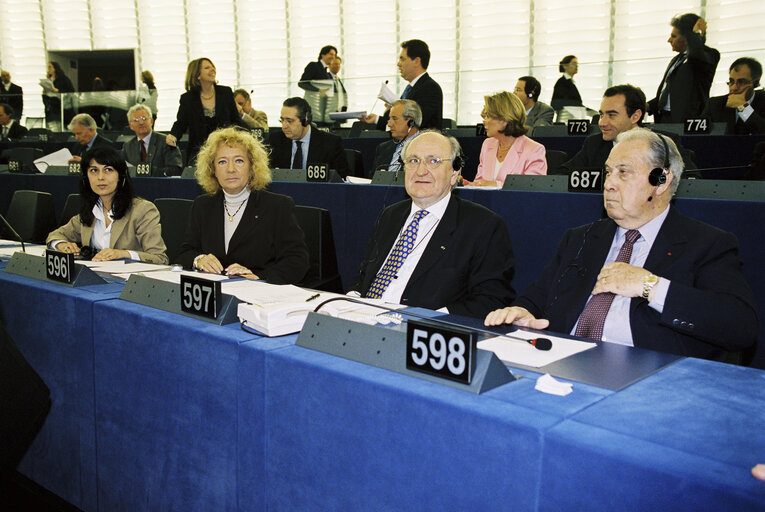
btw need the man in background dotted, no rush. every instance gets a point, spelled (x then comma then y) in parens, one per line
(528, 89)
(83, 128)
(149, 147)
(743, 108)
(404, 124)
(11, 94)
(10, 128)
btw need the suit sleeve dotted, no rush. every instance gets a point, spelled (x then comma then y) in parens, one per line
(491, 272)
(148, 231)
(718, 305)
(69, 232)
(290, 261)
(181, 123)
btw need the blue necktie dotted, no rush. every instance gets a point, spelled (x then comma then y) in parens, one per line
(403, 247)
(406, 92)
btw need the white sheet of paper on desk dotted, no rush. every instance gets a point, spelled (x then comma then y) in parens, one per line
(522, 353)
(8, 247)
(357, 180)
(60, 157)
(172, 276)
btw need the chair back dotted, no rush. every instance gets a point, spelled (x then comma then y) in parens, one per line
(174, 217)
(72, 207)
(317, 226)
(32, 215)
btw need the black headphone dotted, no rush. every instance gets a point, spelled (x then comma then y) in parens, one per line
(410, 123)
(307, 117)
(458, 162)
(658, 176)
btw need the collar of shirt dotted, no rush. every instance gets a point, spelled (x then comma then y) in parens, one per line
(417, 78)
(648, 231)
(532, 108)
(10, 123)
(435, 211)
(147, 139)
(101, 237)
(90, 144)
(568, 77)
(306, 140)
(7, 86)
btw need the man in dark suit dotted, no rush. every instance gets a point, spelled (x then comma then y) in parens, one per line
(647, 276)
(149, 147)
(621, 109)
(684, 89)
(413, 64)
(298, 144)
(9, 128)
(11, 94)
(436, 250)
(743, 108)
(317, 70)
(528, 90)
(83, 128)
(404, 124)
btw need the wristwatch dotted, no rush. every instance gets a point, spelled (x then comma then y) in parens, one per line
(649, 282)
(741, 108)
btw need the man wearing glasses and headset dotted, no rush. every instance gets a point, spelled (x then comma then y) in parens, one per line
(435, 250)
(148, 147)
(743, 108)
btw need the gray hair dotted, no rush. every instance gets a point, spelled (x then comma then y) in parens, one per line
(657, 154)
(411, 110)
(138, 106)
(83, 120)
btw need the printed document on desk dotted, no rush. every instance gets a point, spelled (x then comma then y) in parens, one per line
(514, 352)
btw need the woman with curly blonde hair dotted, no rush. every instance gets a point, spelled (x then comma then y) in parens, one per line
(238, 228)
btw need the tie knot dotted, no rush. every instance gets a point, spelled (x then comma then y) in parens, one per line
(298, 142)
(631, 236)
(420, 214)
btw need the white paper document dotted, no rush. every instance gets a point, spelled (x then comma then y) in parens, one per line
(8, 247)
(172, 276)
(386, 94)
(344, 116)
(60, 157)
(517, 352)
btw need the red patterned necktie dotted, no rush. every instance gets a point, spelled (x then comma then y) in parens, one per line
(594, 315)
(143, 151)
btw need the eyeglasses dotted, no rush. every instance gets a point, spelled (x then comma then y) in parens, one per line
(740, 82)
(431, 163)
(139, 119)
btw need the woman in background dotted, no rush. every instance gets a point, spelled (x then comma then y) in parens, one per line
(61, 85)
(148, 92)
(238, 228)
(113, 221)
(507, 150)
(565, 93)
(204, 107)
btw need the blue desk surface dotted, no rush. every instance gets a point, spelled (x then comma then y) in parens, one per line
(163, 412)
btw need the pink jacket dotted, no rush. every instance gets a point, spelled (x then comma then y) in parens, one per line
(525, 157)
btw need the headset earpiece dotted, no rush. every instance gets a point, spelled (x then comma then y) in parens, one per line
(410, 123)
(658, 176)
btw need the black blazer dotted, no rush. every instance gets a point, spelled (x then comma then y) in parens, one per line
(16, 131)
(78, 149)
(428, 95)
(383, 154)
(268, 240)
(14, 97)
(467, 266)
(324, 148)
(595, 151)
(314, 70)
(709, 306)
(688, 84)
(565, 94)
(52, 104)
(719, 113)
(191, 117)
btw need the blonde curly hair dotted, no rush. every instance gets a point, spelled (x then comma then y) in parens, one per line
(260, 174)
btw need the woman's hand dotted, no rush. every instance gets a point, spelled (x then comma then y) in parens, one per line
(111, 254)
(235, 269)
(68, 247)
(209, 263)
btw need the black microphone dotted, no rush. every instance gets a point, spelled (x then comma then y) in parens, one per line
(538, 343)
(12, 232)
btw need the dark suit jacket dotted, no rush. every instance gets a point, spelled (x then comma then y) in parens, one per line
(191, 117)
(268, 240)
(565, 94)
(384, 153)
(719, 113)
(428, 95)
(14, 97)
(709, 306)
(688, 84)
(314, 70)
(16, 131)
(595, 151)
(165, 160)
(467, 265)
(78, 149)
(324, 148)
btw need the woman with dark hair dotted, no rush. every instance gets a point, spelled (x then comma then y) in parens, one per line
(507, 149)
(565, 93)
(239, 228)
(61, 84)
(204, 107)
(113, 221)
